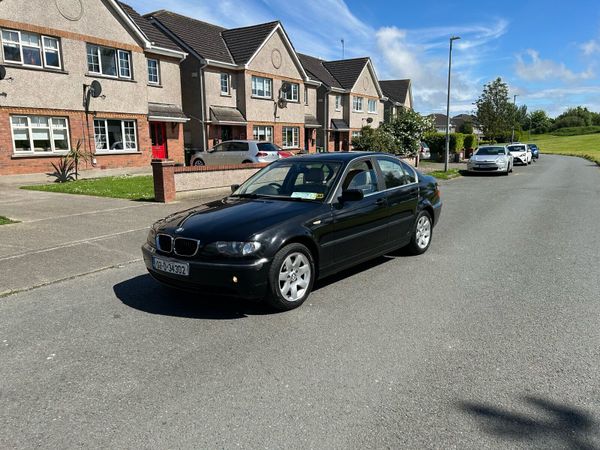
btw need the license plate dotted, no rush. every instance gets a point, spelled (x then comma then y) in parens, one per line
(171, 267)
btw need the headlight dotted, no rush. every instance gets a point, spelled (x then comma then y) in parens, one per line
(237, 248)
(151, 239)
(501, 161)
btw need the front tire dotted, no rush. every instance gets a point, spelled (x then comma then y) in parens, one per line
(198, 162)
(421, 234)
(291, 277)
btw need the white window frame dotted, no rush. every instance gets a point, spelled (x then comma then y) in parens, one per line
(225, 76)
(42, 47)
(117, 62)
(108, 150)
(356, 134)
(357, 104)
(120, 68)
(295, 137)
(267, 132)
(254, 87)
(374, 103)
(157, 82)
(30, 128)
(338, 102)
(293, 94)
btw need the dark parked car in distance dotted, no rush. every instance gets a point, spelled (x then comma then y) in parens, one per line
(295, 221)
(535, 151)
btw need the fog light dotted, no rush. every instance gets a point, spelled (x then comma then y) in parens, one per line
(235, 280)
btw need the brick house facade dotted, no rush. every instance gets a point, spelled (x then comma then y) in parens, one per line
(52, 52)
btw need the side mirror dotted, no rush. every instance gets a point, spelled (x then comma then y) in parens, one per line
(234, 187)
(352, 195)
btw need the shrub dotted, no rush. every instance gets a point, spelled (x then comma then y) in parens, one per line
(457, 141)
(575, 131)
(470, 141)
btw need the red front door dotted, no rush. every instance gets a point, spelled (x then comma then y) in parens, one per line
(158, 134)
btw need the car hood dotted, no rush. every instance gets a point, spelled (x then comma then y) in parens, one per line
(486, 158)
(234, 219)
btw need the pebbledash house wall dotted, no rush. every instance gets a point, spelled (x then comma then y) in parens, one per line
(59, 93)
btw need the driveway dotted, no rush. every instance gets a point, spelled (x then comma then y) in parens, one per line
(62, 236)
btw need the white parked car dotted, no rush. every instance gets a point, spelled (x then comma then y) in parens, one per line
(491, 158)
(237, 152)
(521, 153)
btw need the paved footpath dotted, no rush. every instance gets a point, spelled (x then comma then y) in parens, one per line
(62, 236)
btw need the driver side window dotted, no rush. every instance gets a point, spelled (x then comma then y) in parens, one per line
(361, 176)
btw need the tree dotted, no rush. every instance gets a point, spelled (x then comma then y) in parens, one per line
(466, 127)
(407, 130)
(374, 140)
(495, 112)
(540, 122)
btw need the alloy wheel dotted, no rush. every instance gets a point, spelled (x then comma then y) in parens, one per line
(423, 233)
(294, 276)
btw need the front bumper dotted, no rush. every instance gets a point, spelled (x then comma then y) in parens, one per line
(486, 167)
(214, 278)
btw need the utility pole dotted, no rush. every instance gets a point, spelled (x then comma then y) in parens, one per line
(452, 39)
(512, 139)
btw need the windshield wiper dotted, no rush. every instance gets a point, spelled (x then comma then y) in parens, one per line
(245, 195)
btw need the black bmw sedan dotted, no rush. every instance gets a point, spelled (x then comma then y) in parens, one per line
(296, 220)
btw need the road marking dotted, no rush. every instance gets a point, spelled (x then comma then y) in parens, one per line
(97, 211)
(71, 244)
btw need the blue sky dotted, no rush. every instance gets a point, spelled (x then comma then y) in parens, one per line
(547, 51)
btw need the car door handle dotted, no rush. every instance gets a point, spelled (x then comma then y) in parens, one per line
(380, 201)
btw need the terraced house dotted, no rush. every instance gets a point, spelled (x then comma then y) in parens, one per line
(349, 98)
(53, 51)
(398, 97)
(234, 80)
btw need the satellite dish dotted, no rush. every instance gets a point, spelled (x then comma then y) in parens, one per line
(282, 103)
(2, 72)
(369, 120)
(286, 87)
(95, 89)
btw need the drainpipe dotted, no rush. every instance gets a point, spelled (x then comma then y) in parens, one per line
(203, 104)
(326, 121)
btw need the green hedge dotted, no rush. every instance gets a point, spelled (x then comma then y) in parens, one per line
(437, 143)
(576, 131)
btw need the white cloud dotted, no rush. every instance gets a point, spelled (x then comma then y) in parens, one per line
(531, 67)
(590, 47)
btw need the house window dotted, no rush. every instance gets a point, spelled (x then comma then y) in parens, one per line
(338, 102)
(225, 81)
(30, 49)
(291, 137)
(305, 95)
(115, 135)
(39, 134)
(153, 71)
(292, 94)
(372, 106)
(262, 87)
(356, 134)
(108, 61)
(262, 133)
(357, 104)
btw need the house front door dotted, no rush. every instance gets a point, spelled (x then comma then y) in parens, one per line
(158, 134)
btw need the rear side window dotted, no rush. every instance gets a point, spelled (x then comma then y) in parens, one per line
(393, 174)
(238, 147)
(267, 147)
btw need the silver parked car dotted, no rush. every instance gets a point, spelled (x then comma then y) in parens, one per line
(237, 152)
(491, 158)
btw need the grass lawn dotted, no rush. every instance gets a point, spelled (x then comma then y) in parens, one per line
(129, 187)
(5, 220)
(587, 145)
(441, 175)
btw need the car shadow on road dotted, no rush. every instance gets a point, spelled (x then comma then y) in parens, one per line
(562, 426)
(146, 294)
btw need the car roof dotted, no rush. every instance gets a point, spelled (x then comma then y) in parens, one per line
(335, 156)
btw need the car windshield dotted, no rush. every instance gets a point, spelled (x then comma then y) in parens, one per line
(297, 180)
(267, 147)
(490, 151)
(516, 148)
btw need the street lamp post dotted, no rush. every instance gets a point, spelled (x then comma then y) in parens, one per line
(452, 39)
(512, 139)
